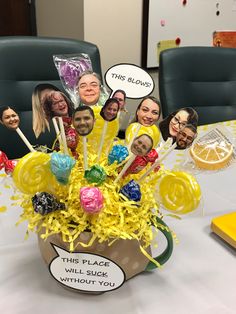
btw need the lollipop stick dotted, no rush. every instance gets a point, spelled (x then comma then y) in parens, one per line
(24, 139)
(85, 153)
(157, 162)
(102, 140)
(57, 130)
(129, 162)
(134, 136)
(63, 135)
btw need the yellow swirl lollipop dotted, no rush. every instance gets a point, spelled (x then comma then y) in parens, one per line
(32, 173)
(179, 192)
(152, 131)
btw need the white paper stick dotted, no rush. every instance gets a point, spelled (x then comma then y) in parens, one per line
(24, 139)
(85, 154)
(129, 162)
(134, 136)
(157, 162)
(57, 130)
(104, 130)
(63, 135)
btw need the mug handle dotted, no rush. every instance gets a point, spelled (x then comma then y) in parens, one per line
(164, 256)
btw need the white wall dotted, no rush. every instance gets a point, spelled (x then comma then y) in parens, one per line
(60, 18)
(116, 27)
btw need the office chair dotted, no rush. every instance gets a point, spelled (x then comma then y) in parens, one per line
(200, 77)
(25, 62)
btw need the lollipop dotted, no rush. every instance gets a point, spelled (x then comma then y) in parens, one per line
(118, 153)
(69, 68)
(91, 199)
(132, 191)
(61, 166)
(96, 174)
(3, 159)
(32, 173)
(45, 203)
(140, 162)
(179, 192)
(10, 166)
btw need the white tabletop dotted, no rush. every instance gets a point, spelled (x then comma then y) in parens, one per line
(200, 276)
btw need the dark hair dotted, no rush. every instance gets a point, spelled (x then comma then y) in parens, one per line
(120, 91)
(108, 102)
(83, 108)
(164, 124)
(3, 108)
(154, 99)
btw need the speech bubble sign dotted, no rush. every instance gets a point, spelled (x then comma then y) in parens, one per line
(85, 271)
(135, 81)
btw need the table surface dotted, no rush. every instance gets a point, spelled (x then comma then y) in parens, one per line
(200, 276)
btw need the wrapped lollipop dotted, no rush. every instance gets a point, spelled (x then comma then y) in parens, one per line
(118, 153)
(178, 192)
(45, 203)
(91, 199)
(69, 68)
(61, 166)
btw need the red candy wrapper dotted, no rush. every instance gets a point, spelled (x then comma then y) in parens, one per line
(141, 162)
(3, 159)
(10, 165)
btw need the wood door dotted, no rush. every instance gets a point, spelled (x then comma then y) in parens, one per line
(17, 17)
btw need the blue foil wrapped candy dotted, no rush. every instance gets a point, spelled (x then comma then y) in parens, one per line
(61, 166)
(132, 191)
(118, 153)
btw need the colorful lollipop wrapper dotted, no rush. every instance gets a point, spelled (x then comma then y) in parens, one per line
(179, 192)
(69, 68)
(132, 191)
(10, 166)
(45, 203)
(3, 159)
(118, 153)
(96, 174)
(91, 199)
(61, 166)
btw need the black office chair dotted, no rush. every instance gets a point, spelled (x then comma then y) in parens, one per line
(24, 63)
(200, 77)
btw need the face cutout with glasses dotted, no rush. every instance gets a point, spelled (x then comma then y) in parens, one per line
(179, 120)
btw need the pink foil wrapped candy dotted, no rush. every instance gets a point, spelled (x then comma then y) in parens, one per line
(91, 199)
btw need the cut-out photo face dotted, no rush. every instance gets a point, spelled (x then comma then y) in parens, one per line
(83, 120)
(142, 145)
(186, 136)
(89, 87)
(148, 111)
(9, 118)
(120, 96)
(172, 124)
(110, 109)
(56, 104)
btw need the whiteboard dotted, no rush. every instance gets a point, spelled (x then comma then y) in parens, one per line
(193, 23)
